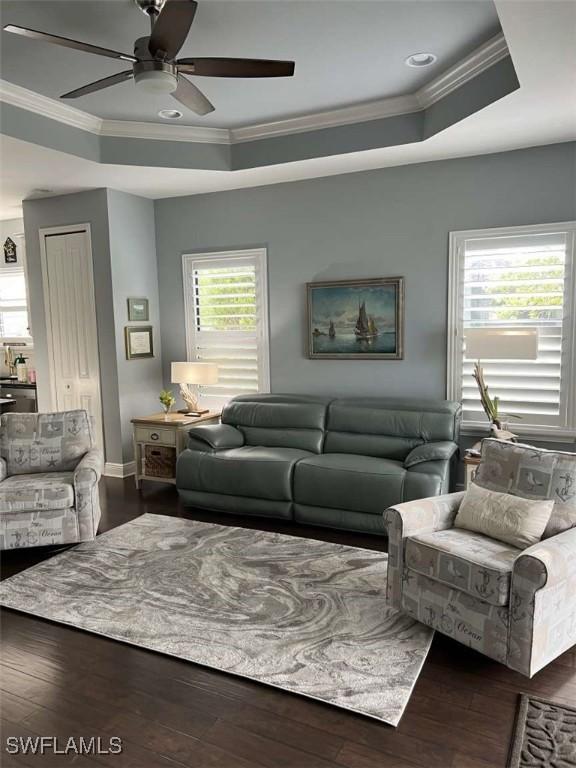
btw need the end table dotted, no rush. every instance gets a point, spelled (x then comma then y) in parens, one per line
(471, 464)
(158, 439)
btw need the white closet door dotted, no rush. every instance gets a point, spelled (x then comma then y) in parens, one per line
(71, 321)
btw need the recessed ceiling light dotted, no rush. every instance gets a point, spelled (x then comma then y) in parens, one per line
(421, 59)
(170, 114)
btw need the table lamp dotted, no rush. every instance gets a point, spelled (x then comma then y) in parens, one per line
(193, 373)
(502, 343)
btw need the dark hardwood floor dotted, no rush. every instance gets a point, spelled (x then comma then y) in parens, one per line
(57, 681)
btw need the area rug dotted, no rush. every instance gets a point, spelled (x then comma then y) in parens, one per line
(544, 735)
(306, 616)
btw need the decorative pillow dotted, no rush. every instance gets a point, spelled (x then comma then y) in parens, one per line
(512, 519)
(532, 473)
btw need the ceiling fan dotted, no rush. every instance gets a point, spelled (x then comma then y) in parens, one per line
(154, 65)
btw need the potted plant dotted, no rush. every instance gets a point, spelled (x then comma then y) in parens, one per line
(167, 399)
(491, 405)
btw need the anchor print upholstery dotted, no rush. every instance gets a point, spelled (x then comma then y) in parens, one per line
(32, 442)
(49, 474)
(517, 606)
(532, 473)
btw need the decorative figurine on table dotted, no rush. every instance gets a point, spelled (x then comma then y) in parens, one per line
(491, 407)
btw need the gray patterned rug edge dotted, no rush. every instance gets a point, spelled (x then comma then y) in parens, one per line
(542, 738)
(338, 640)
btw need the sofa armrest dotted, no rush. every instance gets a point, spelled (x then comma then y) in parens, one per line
(402, 520)
(87, 500)
(543, 603)
(3, 469)
(439, 451)
(214, 437)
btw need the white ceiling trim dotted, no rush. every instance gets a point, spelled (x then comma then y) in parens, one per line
(477, 62)
(46, 107)
(362, 113)
(471, 66)
(484, 57)
(160, 131)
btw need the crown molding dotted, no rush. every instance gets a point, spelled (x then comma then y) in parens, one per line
(63, 113)
(164, 132)
(361, 113)
(46, 107)
(465, 70)
(484, 57)
(456, 76)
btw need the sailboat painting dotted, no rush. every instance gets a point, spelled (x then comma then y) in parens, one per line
(356, 319)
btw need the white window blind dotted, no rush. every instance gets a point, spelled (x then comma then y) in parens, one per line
(227, 321)
(519, 277)
(13, 305)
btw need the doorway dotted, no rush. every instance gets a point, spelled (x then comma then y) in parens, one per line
(70, 307)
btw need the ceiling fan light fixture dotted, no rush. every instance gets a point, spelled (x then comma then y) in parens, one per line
(156, 81)
(418, 60)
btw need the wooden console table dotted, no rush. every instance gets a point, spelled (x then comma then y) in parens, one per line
(169, 433)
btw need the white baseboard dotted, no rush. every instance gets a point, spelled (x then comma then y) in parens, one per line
(120, 470)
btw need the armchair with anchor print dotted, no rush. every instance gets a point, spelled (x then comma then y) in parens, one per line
(49, 474)
(517, 606)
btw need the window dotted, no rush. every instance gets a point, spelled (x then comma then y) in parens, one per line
(13, 305)
(521, 276)
(225, 297)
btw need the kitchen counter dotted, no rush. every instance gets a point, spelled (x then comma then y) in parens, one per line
(13, 384)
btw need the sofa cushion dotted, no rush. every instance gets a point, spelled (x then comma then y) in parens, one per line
(44, 442)
(389, 427)
(256, 471)
(29, 493)
(471, 562)
(289, 421)
(533, 473)
(347, 481)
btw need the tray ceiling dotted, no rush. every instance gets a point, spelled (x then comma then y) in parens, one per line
(346, 53)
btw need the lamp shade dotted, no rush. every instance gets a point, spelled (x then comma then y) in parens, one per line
(194, 373)
(504, 343)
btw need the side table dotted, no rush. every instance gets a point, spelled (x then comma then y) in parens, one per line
(471, 464)
(165, 436)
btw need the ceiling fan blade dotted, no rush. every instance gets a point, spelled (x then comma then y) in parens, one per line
(98, 85)
(171, 28)
(67, 43)
(193, 98)
(236, 67)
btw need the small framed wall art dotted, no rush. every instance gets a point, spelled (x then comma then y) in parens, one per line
(356, 319)
(10, 255)
(139, 342)
(137, 309)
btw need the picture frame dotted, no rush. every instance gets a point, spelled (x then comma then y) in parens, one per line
(138, 309)
(139, 341)
(10, 251)
(356, 319)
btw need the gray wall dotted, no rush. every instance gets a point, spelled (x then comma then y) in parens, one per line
(82, 208)
(392, 221)
(124, 260)
(134, 273)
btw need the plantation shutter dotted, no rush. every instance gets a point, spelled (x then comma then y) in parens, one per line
(519, 280)
(226, 322)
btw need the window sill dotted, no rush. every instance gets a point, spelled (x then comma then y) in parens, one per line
(538, 434)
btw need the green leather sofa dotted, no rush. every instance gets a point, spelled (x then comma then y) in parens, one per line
(321, 461)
